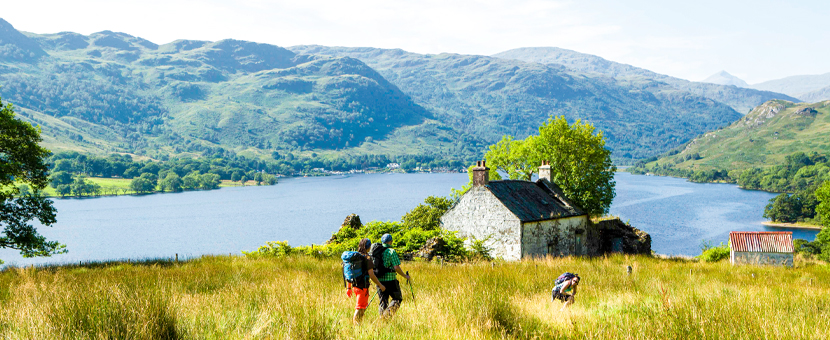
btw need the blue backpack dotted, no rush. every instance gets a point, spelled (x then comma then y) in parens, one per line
(353, 271)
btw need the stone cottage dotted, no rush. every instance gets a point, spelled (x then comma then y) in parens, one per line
(773, 248)
(521, 218)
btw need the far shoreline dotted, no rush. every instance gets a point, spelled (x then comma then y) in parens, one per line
(791, 225)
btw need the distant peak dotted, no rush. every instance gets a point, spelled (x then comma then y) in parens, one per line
(724, 78)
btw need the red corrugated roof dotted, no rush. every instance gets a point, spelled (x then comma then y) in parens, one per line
(761, 241)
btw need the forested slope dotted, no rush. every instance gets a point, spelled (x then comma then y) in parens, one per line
(490, 97)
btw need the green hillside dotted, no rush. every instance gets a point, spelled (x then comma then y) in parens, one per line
(490, 97)
(762, 138)
(740, 99)
(111, 92)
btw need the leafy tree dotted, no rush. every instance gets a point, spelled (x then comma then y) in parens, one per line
(191, 181)
(23, 161)
(243, 179)
(171, 182)
(59, 178)
(515, 157)
(142, 185)
(580, 163)
(783, 208)
(258, 178)
(209, 181)
(427, 216)
(131, 172)
(64, 189)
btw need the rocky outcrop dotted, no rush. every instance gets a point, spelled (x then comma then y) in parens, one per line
(615, 236)
(807, 111)
(432, 248)
(351, 222)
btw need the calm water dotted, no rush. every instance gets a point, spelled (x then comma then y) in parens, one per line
(676, 213)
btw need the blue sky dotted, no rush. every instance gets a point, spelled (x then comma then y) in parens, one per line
(754, 40)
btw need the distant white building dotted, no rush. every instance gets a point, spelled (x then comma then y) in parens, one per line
(393, 165)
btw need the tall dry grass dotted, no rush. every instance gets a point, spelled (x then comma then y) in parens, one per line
(302, 298)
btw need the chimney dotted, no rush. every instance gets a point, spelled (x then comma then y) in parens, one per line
(544, 171)
(481, 174)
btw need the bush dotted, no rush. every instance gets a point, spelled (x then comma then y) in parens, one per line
(713, 254)
(419, 226)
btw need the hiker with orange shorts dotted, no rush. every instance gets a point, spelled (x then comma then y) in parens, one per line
(361, 268)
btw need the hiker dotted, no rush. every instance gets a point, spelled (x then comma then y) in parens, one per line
(360, 286)
(387, 267)
(565, 289)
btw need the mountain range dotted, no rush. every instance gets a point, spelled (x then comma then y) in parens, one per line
(807, 88)
(113, 92)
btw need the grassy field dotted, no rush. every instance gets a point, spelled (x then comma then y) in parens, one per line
(302, 298)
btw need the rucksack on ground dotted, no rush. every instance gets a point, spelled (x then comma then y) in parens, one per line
(353, 271)
(565, 277)
(377, 259)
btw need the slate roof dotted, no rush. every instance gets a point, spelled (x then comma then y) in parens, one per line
(533, 201)
(761, 241)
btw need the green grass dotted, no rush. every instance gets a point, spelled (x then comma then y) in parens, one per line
(302, 298)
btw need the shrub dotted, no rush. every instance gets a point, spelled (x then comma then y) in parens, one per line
(713, 254)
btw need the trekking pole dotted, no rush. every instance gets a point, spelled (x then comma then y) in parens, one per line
(411, 290)
(373, 297)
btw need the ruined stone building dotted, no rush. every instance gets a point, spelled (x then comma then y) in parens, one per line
(772, 248)
(535, 219)
(519, 218)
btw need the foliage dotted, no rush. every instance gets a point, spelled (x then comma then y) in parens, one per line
(792, 208)
(272, 249)
(417, 227)
(580, 164)
(427, 216)
(711, 253)
(22, 161)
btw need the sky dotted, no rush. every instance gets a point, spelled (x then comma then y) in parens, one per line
(755, 40)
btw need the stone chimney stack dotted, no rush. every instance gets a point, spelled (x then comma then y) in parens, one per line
(544, 171)
(481, 174)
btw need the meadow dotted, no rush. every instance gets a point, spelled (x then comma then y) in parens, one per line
(301, 297)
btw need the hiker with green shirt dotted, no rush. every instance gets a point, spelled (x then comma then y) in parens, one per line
(387, 267)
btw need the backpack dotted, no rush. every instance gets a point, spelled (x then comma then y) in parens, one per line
(564, 277)
(353, 271)
(377, 260)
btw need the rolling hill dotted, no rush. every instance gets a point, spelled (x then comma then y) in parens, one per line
(112, 92)
(762, 138)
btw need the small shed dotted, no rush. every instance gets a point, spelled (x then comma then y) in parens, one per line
(758, 247)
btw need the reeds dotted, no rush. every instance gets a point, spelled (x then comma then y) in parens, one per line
(300, 297)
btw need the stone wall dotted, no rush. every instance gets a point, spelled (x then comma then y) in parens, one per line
(774, 259)
(479, 215)
(560, 237)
